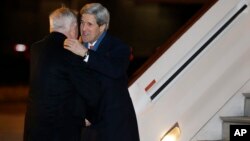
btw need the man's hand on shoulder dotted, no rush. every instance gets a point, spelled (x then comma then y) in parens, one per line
(75, 46)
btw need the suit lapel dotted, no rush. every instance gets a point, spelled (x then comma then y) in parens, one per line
(104, 45)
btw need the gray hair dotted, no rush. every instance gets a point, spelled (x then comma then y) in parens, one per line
(62, 18)
(100, 12)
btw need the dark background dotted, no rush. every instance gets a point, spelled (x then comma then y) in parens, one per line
(144, 24)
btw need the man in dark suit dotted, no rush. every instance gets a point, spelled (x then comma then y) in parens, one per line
(109, 58)
(58, 81)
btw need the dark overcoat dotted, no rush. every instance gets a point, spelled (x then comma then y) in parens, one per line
(117, 118)
(58, 80)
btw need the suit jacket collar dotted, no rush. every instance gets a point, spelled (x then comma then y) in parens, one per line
(56, 37)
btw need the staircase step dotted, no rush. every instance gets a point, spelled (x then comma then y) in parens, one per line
(233, 120)
(237, 119)
(247, 95)
(247, 104)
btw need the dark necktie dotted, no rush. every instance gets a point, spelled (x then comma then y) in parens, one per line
(91, 47)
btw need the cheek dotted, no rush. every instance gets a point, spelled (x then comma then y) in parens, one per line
(81, 27)
(92, 33)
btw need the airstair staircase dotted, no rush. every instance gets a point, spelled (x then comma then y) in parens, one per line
(199, 80)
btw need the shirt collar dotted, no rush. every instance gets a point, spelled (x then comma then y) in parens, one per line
(93, 44)
(97, 42)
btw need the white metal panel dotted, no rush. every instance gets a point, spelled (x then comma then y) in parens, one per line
(205, 85)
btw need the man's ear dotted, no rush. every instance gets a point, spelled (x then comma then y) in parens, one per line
(102, 28)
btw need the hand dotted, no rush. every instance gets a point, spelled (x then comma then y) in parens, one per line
(75, 46)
